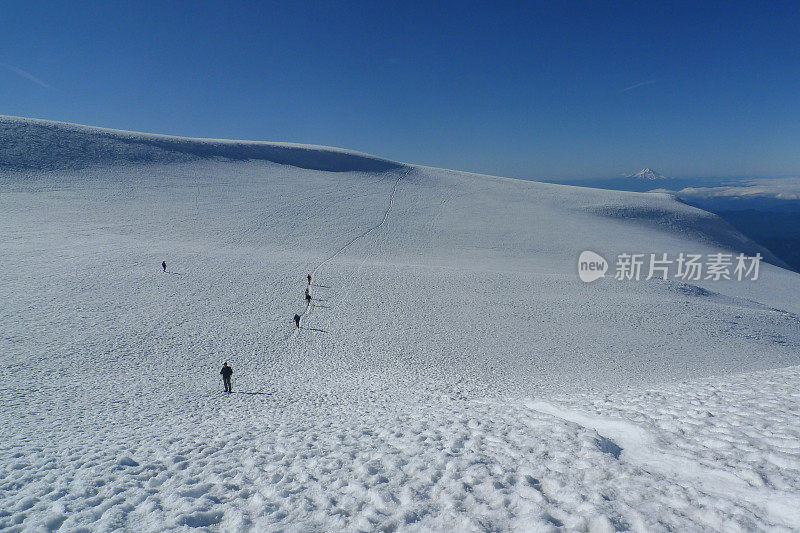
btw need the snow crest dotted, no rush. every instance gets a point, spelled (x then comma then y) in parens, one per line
(46, 145)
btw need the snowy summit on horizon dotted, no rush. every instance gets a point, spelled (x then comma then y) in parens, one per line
(449, 370)
(647, 174)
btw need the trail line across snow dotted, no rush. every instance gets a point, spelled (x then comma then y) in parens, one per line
(641, 448)
(352, 241)
(251, 469)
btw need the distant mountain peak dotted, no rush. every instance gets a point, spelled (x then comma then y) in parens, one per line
(647, 174)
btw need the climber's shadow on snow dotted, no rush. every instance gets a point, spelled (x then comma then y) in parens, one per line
(174, 273)
(320, 286)
(313, 329)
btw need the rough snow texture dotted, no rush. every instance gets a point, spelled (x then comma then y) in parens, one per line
(451, 372)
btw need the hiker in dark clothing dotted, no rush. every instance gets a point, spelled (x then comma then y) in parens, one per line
(164, 265)
(309, 279)
(297, 320)
(308, 297)
(226, 372)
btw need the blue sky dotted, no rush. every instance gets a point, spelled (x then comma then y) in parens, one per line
(529, 89)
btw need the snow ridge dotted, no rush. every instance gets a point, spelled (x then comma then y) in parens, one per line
(32, 144)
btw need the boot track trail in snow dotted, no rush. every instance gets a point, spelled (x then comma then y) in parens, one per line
(352, 241)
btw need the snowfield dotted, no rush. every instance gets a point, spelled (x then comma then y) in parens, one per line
(451, 372)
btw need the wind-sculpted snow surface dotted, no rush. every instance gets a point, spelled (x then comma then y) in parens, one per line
(42, 145)
(300, 461)
(451, 371)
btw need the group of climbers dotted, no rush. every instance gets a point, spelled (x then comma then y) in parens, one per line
(227, 371)
(308, 302)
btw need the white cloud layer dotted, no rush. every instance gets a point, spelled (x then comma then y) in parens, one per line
(778, 188)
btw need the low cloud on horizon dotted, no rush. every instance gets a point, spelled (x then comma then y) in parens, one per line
(776, 188)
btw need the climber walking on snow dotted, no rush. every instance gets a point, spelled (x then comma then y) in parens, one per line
(308, 297)
(309, 279)
(226, 373)
(297, 320)
(164, 265)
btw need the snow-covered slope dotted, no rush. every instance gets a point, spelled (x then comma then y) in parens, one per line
(446, 305)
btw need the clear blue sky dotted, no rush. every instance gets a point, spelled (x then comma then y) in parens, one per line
(533, 89)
